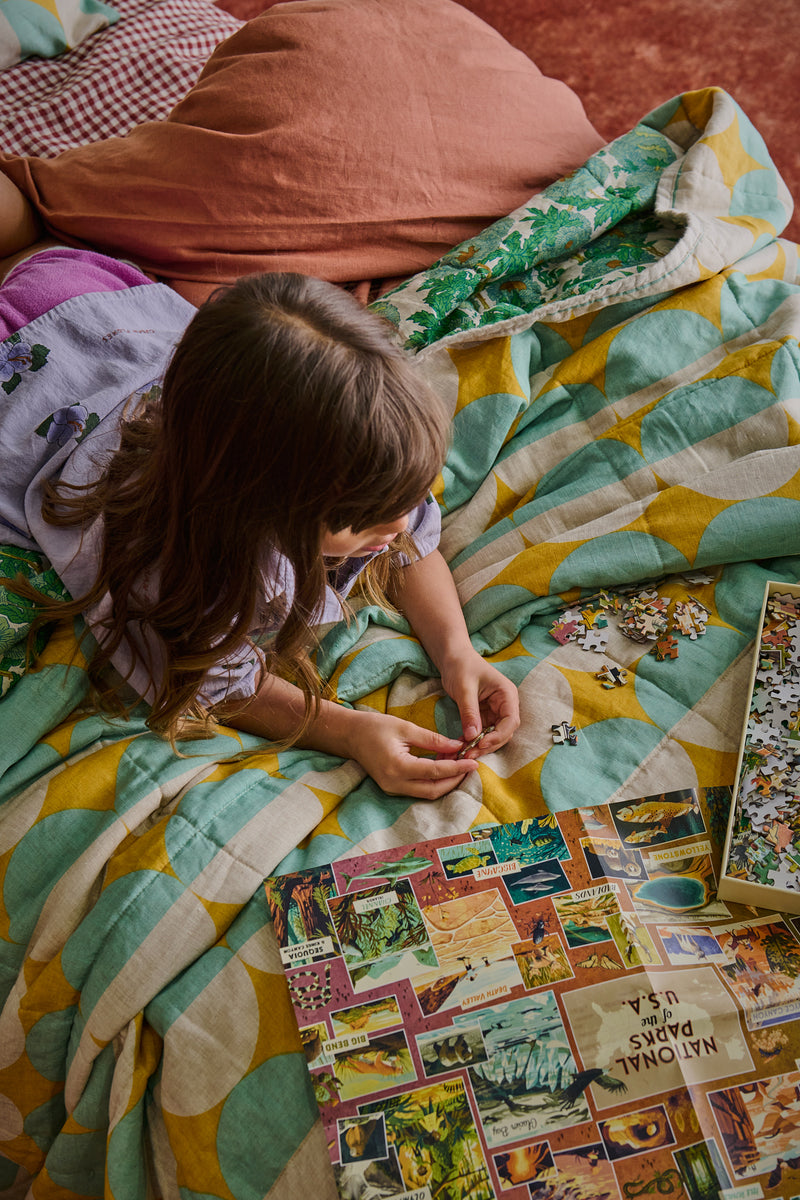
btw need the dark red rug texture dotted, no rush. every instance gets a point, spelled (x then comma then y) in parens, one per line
(625, 57)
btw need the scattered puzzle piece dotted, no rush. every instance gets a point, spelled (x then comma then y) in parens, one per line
(612, 676)
(595, 639)
(666, 647)
(564, 732)
(564, 631)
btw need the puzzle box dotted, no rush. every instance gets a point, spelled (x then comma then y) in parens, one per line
(761, 857)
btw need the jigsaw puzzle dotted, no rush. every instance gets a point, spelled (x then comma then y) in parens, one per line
(761, 862)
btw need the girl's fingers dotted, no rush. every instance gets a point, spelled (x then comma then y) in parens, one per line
(428, 778)
(438, 768)
(427, 739)
(504, 730)
(433, 790)
(471, 722)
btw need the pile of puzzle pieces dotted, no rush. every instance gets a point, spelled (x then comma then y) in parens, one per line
(642, 615)
(765, 847)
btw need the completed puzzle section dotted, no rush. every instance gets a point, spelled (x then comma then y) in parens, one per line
(761, 861)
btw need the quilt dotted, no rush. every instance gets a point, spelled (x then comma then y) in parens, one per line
(621, 360)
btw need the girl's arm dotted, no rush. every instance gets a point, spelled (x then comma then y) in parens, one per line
(427, 596)
(19, 224)
(383, 745)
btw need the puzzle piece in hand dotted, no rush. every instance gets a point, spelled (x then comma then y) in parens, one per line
(565, 733)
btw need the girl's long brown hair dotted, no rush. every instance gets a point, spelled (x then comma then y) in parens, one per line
(286, 411)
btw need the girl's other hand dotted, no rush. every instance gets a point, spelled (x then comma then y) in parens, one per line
(484, 697)
(383, 745)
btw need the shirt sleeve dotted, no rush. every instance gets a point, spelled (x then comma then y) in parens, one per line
(49, 277)
(425, 526)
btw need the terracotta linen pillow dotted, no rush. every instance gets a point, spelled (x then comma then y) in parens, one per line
(348, 139)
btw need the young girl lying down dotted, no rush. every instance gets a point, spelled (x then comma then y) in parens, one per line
(200, 478)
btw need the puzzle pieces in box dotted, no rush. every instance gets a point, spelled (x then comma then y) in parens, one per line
(766, 846)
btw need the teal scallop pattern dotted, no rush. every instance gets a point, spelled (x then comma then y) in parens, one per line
(739, 592)
(536, 638)
(126, 1169)
(769, 522)
(743, 302)
(506, 602)
(553, 348)
(250, 1165)
(621, 557)
(46, 1041)
(785, 373)
(689, 415)
(176, 996)
(103, 942)
(668, 690)
(759, 187)
(43, 1122)
(378, 664)
(8, 1173)
(76, 1162)
(589, 772)
(656, 345)
(33, 868)
(554, 409)
(613, 314)
(596, 465)
(482, 425)
(364, 811)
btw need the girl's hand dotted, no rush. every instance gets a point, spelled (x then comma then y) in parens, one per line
(383, 746)
(484, 697)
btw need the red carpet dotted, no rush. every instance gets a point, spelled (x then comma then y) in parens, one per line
(625, 57)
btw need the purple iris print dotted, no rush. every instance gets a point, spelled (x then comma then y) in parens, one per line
(14, 357)
(67, 423)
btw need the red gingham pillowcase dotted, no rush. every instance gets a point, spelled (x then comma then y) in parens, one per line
(135, 71)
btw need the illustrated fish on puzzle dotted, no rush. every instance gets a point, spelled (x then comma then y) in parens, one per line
(658, 814)
(540, 882)
(409, 864)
